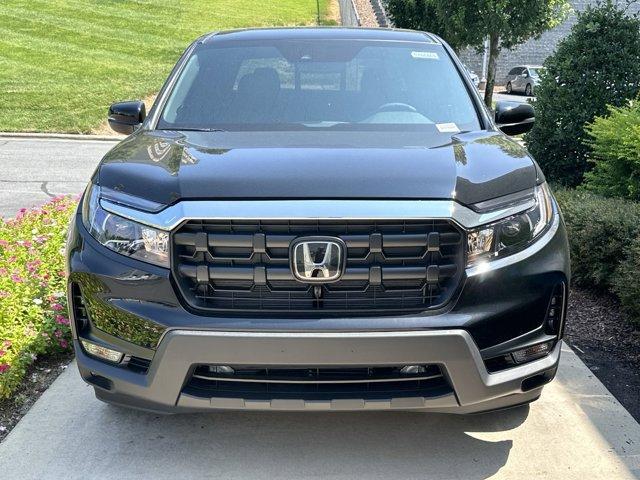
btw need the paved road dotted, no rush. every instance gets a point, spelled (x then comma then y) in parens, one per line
(34, 170)
(576, 431)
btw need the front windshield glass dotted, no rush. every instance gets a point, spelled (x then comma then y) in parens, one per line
(346, 85)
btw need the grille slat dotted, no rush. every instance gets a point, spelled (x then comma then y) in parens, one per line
(236, 266)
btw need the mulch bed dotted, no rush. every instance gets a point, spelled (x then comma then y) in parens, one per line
(604, 339)
(40, 375)
(597, 329)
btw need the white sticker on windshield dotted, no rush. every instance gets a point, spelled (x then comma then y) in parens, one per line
(447, 127)
(427, 55)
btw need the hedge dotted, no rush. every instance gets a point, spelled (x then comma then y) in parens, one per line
(34, 319)
(604, 238)
(615, 141)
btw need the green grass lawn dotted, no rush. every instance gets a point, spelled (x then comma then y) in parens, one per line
(62, 62)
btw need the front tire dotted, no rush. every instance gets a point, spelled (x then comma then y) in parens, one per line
(509, 88)
(527, 90)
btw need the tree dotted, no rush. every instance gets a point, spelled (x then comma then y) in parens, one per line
(596, 65)
(467, 23)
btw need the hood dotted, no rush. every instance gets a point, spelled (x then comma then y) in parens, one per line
(165, 167)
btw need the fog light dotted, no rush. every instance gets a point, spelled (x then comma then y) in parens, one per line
(412, 369)
(532, 353)
(221, 369)
(102, 352)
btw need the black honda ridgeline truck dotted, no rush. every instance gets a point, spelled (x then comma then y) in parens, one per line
(318, 219)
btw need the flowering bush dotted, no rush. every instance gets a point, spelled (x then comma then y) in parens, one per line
(33, 306)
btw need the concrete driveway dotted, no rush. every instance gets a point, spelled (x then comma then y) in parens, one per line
(576, 431)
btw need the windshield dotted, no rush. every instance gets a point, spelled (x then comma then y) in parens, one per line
(320, 84)
(535, 72)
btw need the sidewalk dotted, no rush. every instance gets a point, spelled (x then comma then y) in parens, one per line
(577, 430)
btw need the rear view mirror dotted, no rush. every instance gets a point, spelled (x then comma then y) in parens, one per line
(126, 117)
(514, 118)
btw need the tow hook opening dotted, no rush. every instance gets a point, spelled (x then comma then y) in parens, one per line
(538, 380)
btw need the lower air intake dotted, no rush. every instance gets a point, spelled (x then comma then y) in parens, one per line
(261, 383)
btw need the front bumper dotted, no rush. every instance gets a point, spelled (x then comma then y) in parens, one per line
(474, 389)
(133, 307)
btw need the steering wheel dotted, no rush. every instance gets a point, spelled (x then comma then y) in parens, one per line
(396, 107)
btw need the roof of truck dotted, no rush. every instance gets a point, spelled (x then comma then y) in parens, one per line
(333, 33)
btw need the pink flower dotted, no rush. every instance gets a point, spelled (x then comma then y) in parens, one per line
(57, 307)
(32, 266)
(58, 333)
(4, 243)
(4, 367)
(3, 271)
(62, 320)
(63, 343)
(4, 294)
(16, 278)
(45, 334)
(6, 343)
(2, 352)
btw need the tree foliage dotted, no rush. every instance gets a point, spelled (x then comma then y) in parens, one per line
(464, 23)
(597, 65)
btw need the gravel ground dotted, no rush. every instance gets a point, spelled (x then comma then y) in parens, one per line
(604, 339)
(365, 10)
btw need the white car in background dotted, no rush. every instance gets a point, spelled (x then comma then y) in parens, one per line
(523, 79)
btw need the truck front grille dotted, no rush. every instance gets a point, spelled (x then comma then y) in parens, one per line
(241, 267)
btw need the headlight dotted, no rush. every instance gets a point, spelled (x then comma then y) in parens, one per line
(122, 235)
(511, 234)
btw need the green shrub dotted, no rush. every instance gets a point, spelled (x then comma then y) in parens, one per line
(596, 65)
(600, 231)
(604, 238)
(626, 284)
(34, 319)
(615, 140)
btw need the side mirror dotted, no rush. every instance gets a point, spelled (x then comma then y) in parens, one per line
(126, 117)
(514, 118)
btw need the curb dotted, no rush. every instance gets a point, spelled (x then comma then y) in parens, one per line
(61, 136)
